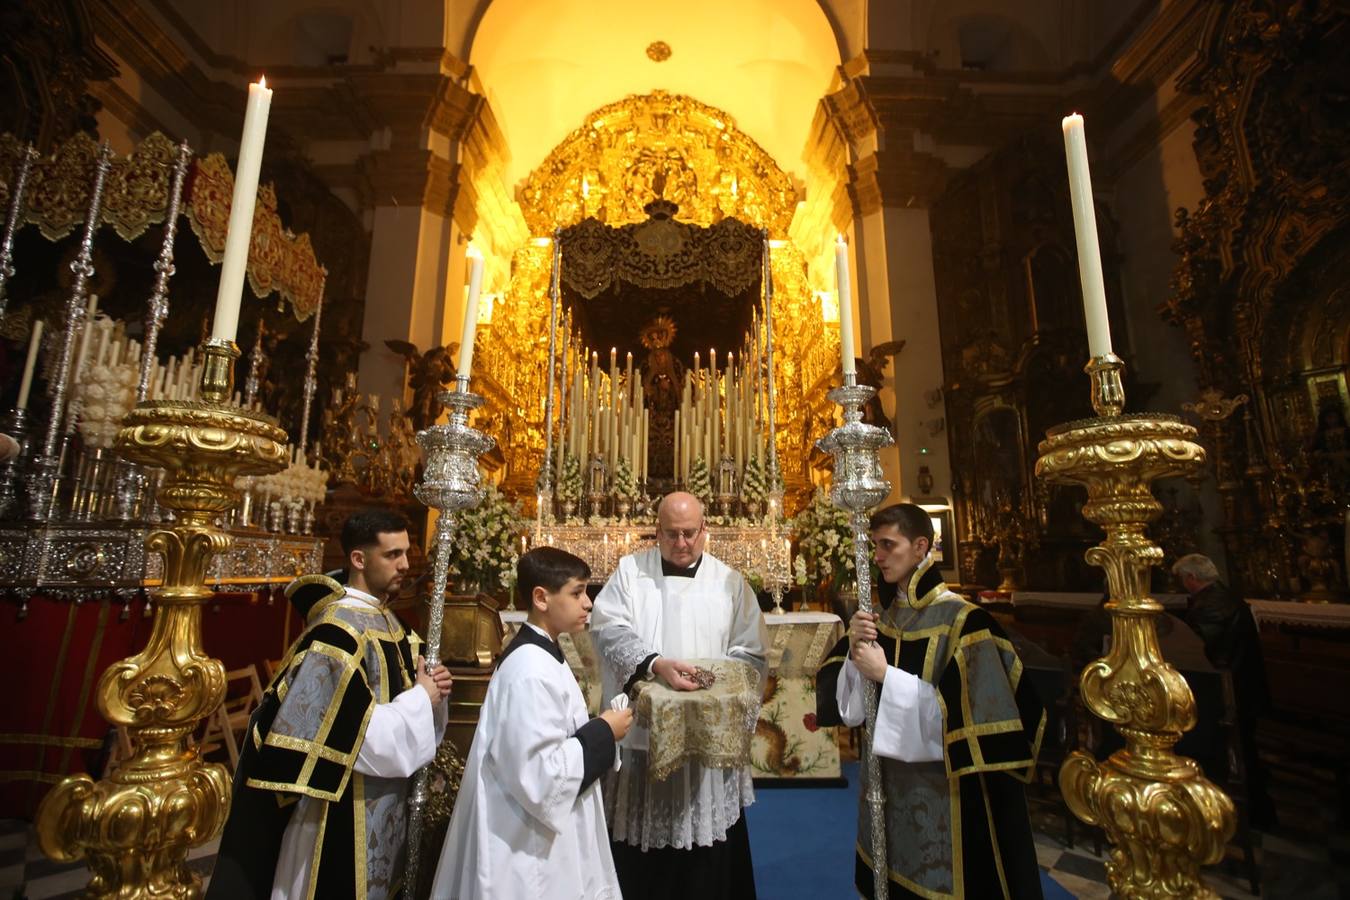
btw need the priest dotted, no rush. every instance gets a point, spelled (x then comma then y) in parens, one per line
(683, 836)
(319, 806)
(956, 734)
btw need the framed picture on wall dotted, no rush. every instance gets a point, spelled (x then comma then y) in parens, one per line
(941, 515)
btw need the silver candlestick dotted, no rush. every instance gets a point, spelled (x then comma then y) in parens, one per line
(130, 497)
(450, 482)
(42, 486)
(12, 223)
(858, 486)
(311, 381)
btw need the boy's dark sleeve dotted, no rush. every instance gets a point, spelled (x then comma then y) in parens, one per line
(597, 750)
(827, 678)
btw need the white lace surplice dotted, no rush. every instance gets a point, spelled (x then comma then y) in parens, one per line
(711, 615)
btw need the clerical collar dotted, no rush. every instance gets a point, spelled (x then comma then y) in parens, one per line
(532, 634)
(356, 594)
(670, 570)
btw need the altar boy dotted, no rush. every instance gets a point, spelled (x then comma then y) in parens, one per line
(529, 820)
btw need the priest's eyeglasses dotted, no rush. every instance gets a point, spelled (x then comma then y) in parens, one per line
(675, 535)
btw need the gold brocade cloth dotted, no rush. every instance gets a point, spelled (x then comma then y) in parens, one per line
(711, 727)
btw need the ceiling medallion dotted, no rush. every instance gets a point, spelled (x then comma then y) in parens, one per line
(658, 51)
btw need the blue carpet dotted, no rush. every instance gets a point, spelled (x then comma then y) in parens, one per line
(802, 842)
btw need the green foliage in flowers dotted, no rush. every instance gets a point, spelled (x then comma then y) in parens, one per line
(700, 484)
(824, 544)
(486, 543)
(625, 485)
(755, 482)
(569, 486)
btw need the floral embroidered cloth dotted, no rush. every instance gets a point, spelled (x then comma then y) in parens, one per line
(713, 727)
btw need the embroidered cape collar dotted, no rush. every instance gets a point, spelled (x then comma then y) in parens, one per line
(925, 585)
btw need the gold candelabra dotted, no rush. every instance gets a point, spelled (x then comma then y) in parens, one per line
(136, 825)
(1163, 818)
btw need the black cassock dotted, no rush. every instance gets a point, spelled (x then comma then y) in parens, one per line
(958, 827)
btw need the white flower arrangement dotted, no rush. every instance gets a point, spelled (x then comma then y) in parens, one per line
(625, 485)
(754, 483)
(569, 485)
(700, 485)
(824, 543)
(487, 543)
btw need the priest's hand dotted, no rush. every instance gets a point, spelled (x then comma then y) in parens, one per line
(862, 628)
(676, 673)
(619, 721)
(870, 660)
(436, 683)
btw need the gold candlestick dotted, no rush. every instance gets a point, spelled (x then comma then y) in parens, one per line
(135, 826)
(1162, 816)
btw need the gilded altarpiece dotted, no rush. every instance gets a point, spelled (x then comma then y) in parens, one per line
(624, 156)
(1261, 286)
(1012, 336)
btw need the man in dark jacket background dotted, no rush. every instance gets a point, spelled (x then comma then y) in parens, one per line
(1233, 644)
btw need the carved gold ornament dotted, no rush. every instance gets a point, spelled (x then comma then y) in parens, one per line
(658, 51)
(135, 826)
(629, 158)
(658, 334)
(1162, 816)
(610, 166)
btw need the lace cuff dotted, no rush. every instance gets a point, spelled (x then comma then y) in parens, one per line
(622, 651)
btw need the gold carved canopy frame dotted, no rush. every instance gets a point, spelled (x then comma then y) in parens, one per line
(595, 187)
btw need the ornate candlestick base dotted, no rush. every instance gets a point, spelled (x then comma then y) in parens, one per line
(136, 825)
(858, 485)
(450, 482)
(1163, 818)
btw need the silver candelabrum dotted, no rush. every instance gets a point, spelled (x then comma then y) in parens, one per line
(450, 482)
(858, 486)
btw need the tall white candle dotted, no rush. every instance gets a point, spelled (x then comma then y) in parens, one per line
(470, 314)
(230, 294)
(845, 306)
(26, 385)
(1085, 230)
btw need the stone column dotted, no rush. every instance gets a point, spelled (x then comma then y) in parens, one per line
(897, 300)
(410, 185)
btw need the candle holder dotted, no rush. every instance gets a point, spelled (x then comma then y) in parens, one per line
(1163, 818)
(450, 482)
(45, 482)
(598, 481)
(16, 426)
(16, 199)
(135, 826)
(859, 485)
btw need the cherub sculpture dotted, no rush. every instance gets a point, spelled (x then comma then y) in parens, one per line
(428, 374)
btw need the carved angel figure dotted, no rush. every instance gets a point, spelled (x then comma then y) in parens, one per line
(428, 374)
(872, 371)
